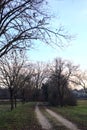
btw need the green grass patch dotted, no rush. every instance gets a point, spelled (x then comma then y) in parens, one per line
(21, 118)
(76, 114)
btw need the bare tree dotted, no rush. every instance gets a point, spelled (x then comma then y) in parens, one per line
(10, 68)
(40, 74)
(22, 22)
(71, 72)
(26, 81)
(59, 80)
(81, 80)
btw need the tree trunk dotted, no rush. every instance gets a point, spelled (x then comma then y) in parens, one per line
(23, 96)
(15, 101)
(61, 100)
(11, 99)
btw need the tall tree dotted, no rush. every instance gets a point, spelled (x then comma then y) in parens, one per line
(81, 80)
(59, 80)
(10, 68)
(22, 22)
(40, 73)
(26, 81)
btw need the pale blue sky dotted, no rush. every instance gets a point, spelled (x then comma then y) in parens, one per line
(73, 15)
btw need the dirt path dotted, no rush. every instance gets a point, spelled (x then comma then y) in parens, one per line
(64, 121)
(42, 119)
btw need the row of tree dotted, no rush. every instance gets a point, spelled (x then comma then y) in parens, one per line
(47, 82)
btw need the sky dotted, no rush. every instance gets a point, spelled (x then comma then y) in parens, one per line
(72, 14)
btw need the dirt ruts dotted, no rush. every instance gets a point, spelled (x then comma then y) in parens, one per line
(44, 122)
(64, 121)
(42, 119)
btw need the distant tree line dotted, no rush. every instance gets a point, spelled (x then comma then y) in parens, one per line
(27, 81)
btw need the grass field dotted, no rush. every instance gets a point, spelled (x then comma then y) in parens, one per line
(24, 117)
(76, 114)
(21, 118)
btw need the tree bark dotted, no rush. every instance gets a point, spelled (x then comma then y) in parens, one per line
(15, 100)
(11, 99)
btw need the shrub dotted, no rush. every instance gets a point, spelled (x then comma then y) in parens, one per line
(70, 99)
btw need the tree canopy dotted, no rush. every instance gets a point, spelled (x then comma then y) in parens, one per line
(23, 22)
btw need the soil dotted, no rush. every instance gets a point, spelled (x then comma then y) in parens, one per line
(42, 119)
(62, 120)
(44, 122)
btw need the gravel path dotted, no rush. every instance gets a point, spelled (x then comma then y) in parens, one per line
(64, 121)
(42, 119)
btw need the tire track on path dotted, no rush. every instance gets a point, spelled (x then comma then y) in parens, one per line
(42, 119)
(62, 120)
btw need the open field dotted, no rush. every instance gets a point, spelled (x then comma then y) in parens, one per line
(76, 114)
(21, 118)
(24, 117)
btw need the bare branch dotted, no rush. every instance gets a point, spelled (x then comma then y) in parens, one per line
(24, 21)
